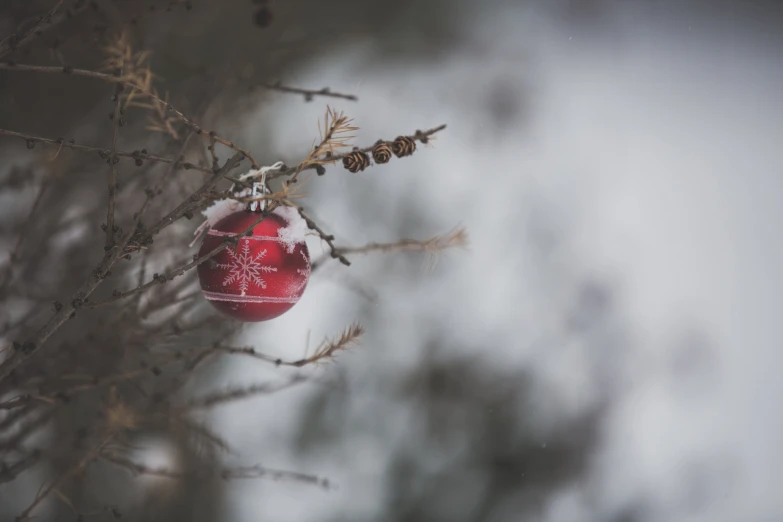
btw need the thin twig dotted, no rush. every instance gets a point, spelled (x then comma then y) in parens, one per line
(213, 153)
(244, 472)
(202, 431)
(23, 36)
(65, 70)
(112, 78)
(103, 153)
(312, 163)
(192, 203)
(93, 383)
(162, 278)
(43, 493)
(327, 350)
(457, 237)
(68, 311)
(258, 471)
(113, 167)
(144, 12)
(146, 312)
(329, 347)
(168, 276)
(312, 225)
(5, 279)
(241, 392)
(308, 94)
(334, 136)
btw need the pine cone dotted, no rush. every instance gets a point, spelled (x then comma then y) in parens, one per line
(356, 161)
(381, 152)
(403, 146)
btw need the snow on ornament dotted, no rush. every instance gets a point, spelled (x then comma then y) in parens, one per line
(224, 207)
(265, 273)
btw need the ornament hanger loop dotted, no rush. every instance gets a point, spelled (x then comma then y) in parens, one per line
(259, 205)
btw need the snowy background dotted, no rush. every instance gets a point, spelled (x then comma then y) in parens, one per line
(621, 182)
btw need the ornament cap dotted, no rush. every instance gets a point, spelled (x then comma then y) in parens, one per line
(258, 189)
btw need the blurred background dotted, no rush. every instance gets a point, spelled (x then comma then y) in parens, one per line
(607, 349)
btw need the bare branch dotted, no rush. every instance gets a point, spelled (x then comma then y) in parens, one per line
(334, 136)
(308, 94)
(78, 300)
(193, 202)
(133, 85)
(113, 166)
(168, 276)
(80, 465)
(327, 159)
(245, 472)
(213, 154)
(258, 471)
(202, 432)
(241, 392)
(327, 350)
(350, 336)
(103, 153)
(312, 225)
(23, 36)
(455, 238)
(7, 274)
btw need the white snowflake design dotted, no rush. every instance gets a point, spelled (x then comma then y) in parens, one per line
(303, 271)
(244, 268)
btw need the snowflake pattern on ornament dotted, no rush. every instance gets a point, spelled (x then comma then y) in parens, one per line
(244, 268)
(303, 271)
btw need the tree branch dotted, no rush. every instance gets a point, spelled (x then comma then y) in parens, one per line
(241, 392)
(68, 311)
(119, 79)
(113, 166)
(194, 200)
(168, 276)
(103, 153)
(327, 350)
(457, 237)
(244, 472)
(422, 136)
(308, 94)
(5, 279)
(312, 225)
(43, 493)
(23, 36)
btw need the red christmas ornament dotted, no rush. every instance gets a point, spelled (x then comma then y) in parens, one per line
(265, 274)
